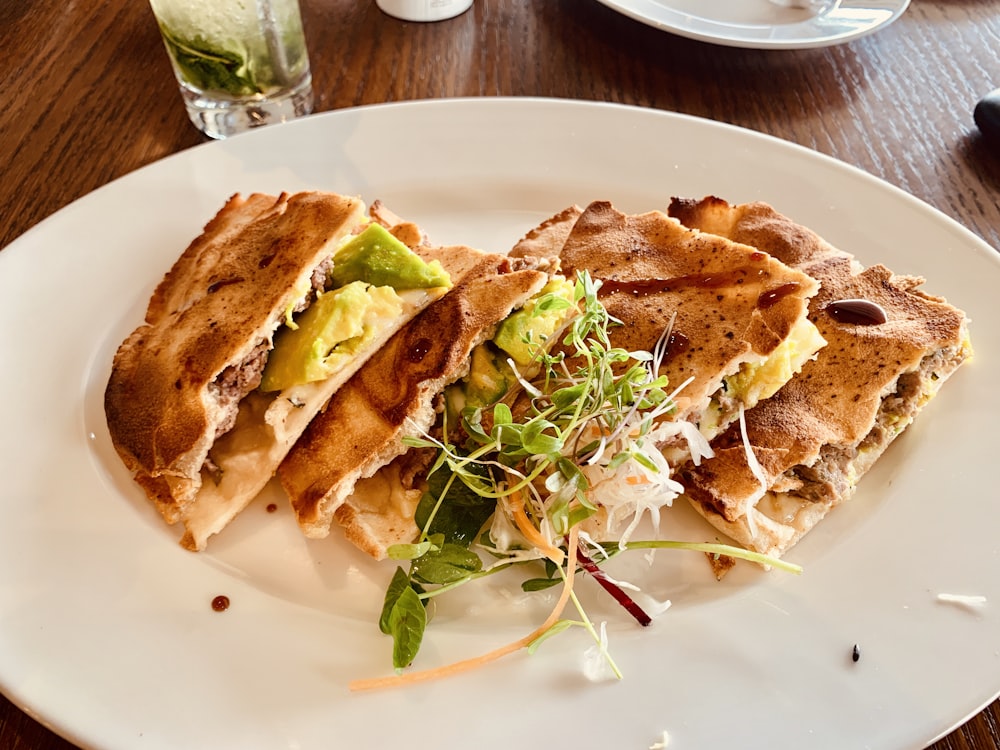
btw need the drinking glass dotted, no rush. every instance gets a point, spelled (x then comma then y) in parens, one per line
(239, 63)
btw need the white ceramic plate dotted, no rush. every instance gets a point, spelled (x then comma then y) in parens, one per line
(761, 24)
(106, 628)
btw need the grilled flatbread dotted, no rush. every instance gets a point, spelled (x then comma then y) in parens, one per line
(393, 396)
(183, 404)
(735, 317)
(890, 348)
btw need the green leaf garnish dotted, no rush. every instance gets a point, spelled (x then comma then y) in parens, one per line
(399, 583)
(448, 564)
(406, 622)
(514, 478)
(539, 584)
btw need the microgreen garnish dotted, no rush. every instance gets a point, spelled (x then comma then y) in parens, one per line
(575, 448)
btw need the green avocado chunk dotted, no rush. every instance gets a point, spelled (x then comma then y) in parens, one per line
(523, 332)
(328, 333)
(376, 257)
(489, 378)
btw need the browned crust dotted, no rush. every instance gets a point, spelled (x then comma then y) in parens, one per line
(361, 428)
(225, 294)
(721, 564)
(716, 294)
(835, 399)
(547, 239)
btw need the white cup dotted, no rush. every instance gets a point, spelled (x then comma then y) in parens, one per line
(423, 10)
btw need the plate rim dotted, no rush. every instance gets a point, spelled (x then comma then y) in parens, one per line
(498, 101)
(666, 19)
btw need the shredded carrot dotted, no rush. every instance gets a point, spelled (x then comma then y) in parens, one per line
(531, 533)
(466, 665)
(632, 479)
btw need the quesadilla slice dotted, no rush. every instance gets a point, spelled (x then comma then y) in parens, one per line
(274, 306)
(890, 348)
(340, 468)
(729, 319)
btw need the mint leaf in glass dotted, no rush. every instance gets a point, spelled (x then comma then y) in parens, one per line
(207, 67)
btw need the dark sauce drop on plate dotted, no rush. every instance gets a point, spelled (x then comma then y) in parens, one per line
(220, 603)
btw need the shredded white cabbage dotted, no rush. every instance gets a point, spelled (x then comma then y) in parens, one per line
(662, 744)
(971, 601)
(755, 468)
(590, 547)
(596, 661)
(631, 490)
(651, 606)
(506, 537)
(698, 445)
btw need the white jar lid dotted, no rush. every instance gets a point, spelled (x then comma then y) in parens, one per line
(424, 10)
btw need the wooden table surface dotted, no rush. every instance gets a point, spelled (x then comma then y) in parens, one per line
(897, 103)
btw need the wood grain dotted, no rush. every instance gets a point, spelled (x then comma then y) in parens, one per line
(88, 96)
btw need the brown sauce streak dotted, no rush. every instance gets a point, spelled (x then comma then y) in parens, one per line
(771, 297)
(677, 344)
(859, 312)
(648, 287)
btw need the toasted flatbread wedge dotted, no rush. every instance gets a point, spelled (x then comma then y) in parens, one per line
(395, 395)
(890, 348)
(185, 405)
(734, 317)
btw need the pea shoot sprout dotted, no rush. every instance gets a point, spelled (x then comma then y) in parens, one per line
(573, 455)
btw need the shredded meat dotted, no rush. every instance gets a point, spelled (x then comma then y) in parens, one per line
(827, 479)
(414, 465)
(729, 404)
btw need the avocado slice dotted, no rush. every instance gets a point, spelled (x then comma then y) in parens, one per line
(523, 332)
(328, 333)
(489, 378)
(376, 257)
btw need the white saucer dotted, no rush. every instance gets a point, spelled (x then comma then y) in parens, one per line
(761, 24)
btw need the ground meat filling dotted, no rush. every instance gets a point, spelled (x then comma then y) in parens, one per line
(728, 403)
(237, 381)
(829, 478)
(826, 479)
(320, 278)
